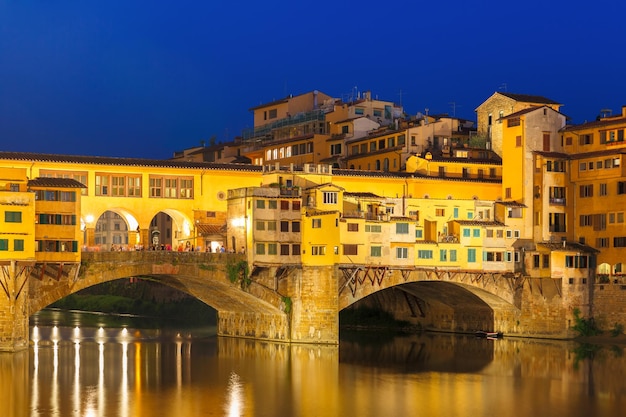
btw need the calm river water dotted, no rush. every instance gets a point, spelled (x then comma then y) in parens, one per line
(85, 365)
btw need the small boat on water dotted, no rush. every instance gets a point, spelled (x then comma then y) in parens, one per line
(488, 335)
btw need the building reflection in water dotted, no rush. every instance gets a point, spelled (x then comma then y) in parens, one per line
(85, 371)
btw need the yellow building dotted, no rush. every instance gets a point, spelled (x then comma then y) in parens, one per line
(596, 189)
(57, 218)
(17, 217)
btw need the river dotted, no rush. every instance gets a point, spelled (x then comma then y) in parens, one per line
(94, 365)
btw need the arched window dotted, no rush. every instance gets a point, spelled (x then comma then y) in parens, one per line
(378, 165)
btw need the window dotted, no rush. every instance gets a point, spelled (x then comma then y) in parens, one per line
(476, 233)
(602, 242)
(455, 213)
(260, 225)
(295, 227)
(376, 251)
(440, 212)
(318, 250)
(452, 255)
(13, 216)
(555, 166)
(353, 227)
(167, 187)
(373, 228)
(619, 242)
(557, 222)
(514, 212)
(603, 189)
(621, 187)
(599, 221)
(295, 205)
(402, 228)
(546, 261)
(316, 223)
(508, 256)
(18, 245)
(4, 244)
(536, 261)
(260, 249)
(359, 110)
(578, 261)
(424, 254)
(284, 205)
(335, 149)
(260, 204)
(272, 204)
(284, 250)
(350, 249)
(272, 248)
(471, 255)
(419, 233)
(518, 141)
(466, 232)
(443, 255)
(330, 197)
(271, 225)
(493, 256)
(284, 226)
(586, 191)
(171, 187)
(273, 113)
(402, 253)
(585, 139)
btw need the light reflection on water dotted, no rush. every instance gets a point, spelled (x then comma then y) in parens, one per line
(74, 370)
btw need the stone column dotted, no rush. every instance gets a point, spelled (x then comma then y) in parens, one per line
(14, 308)
(90, 236)
(144, 238)
(315, 305)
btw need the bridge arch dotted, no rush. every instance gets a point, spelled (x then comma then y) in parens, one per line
(201, 275)
(460, 301)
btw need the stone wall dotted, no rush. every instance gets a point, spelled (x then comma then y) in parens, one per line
(315, 313)
(609, 305)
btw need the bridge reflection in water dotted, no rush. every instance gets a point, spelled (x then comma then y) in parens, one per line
(136, 372)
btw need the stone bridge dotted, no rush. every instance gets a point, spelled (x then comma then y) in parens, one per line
(294, 303)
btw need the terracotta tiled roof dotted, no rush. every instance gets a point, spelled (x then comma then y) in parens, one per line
(525, 111)
(511, 203)
(568, 247)
(609, 121)
(55, 183)
(105, 160)
(526, 98)
(211, 229)
(478, 222)
(361, 195)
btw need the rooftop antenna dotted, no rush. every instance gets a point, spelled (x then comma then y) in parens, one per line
(400, 94)
(454, 106)
(503, 87)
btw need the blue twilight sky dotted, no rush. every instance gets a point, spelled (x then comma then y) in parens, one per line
(146, 78)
